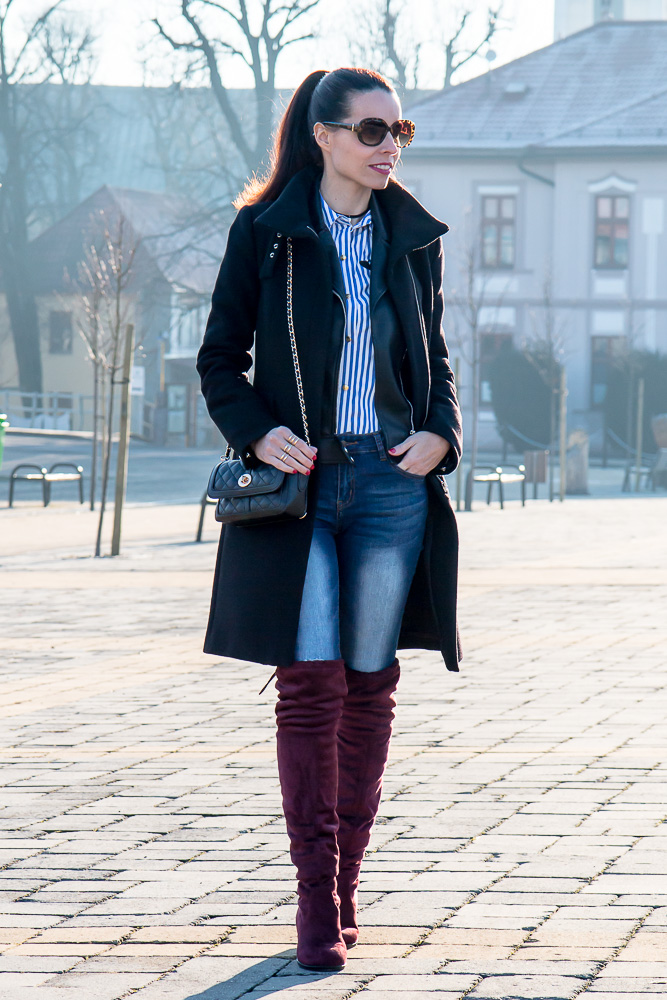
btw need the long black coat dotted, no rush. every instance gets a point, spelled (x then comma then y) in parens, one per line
(261, 569)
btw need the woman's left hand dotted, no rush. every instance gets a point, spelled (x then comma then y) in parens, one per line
(423, 451)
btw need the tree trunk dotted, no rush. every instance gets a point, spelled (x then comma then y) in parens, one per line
(107, 459)
(14, 258)
(475, 416)
(96, 420)
(264, 101)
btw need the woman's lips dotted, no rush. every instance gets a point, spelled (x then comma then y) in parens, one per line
(381, 168)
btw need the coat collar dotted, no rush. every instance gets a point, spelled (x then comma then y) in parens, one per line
(409, 225)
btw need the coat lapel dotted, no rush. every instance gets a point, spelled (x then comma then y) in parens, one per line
(401, 225)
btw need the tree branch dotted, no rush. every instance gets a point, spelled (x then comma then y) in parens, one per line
(34, 30)
(204, 46)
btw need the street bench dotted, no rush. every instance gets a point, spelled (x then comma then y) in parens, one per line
(652, 470)
(501, 476)
(205, 502)
(28, 473)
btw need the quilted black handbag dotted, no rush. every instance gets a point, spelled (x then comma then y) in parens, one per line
(264, 493)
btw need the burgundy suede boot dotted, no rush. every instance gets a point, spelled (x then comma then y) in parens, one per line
(364, 733)
(308, 710)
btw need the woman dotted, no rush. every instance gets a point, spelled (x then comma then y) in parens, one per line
(372, 567)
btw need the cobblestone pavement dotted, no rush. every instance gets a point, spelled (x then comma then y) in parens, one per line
(521, 846)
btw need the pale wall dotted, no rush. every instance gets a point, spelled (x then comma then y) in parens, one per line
(555, 228)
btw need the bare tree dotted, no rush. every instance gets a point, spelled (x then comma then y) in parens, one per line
(67, 141)
(455, 55)
(221, 34)
(384, 37)
(39, 58)
(102, 282)
(545, 351)
(546, 348)
(211, 177)
(465, 308)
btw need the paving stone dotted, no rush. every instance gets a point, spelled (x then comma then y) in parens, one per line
(439, 984)
(520, 843)
(11, 982)
(526, 988)
(105, 986)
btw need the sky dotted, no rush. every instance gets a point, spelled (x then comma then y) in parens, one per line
(124, 36)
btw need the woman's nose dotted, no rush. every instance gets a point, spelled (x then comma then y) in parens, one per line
(389, 145)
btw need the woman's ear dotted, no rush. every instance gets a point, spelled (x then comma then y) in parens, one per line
(321, 136)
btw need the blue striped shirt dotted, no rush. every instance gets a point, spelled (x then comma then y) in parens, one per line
(356, 378)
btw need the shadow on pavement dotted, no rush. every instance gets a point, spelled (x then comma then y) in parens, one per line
(254, 980)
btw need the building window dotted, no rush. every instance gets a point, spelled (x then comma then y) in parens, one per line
(60, 333)
(612, 225)
(604, 353)
(489, 348)
(498, 230)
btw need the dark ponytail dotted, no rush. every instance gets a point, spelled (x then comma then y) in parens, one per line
(322, 96)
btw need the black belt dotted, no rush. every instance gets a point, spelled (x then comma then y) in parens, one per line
(331, 451)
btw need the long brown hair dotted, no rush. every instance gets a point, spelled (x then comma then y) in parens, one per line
(322, 96)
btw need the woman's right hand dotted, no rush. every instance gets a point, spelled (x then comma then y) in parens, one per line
(297, 456)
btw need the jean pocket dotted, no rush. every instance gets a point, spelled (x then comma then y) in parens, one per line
(408, 475)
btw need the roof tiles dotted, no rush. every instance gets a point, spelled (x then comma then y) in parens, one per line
(605, 86)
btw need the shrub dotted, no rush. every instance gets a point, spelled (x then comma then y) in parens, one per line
(620, 405)
(521, 388)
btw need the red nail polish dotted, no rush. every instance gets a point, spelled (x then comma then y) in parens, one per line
(308, 473)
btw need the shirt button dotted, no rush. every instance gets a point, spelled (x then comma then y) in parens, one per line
(348, 339)
(346, 387)
(343, 257)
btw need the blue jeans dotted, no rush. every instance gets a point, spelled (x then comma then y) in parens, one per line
(369, 529)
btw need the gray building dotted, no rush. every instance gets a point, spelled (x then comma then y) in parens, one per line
(575, 15)
(552, 173)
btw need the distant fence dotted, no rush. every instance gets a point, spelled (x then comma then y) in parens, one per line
(67, 411)
(56, 411)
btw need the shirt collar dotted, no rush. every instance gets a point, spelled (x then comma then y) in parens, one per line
(334, 218)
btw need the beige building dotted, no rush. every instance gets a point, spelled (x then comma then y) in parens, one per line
(166, 297)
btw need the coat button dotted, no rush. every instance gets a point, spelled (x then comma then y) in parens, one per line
(271, 254)
(278, 235)
(348, 339)
(275, 246)
(346, 387)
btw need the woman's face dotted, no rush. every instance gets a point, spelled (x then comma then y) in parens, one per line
(347, 159)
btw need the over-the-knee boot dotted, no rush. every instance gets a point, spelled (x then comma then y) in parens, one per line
(364, 733)
(308, 710)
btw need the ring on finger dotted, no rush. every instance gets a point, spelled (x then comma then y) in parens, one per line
(287, 449)
(292, 439)
(282, 457)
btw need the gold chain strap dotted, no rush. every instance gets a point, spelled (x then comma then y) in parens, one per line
(292, 337)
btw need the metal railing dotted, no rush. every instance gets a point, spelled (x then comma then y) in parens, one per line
(65, 411)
